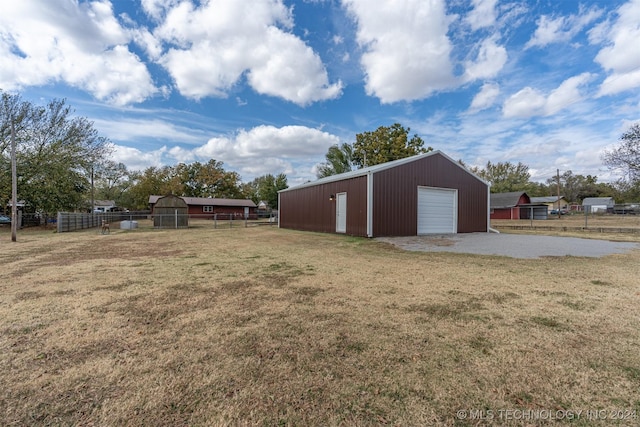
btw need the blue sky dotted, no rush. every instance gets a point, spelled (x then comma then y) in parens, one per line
(267, 86)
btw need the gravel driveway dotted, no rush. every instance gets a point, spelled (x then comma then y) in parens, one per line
(511, 245)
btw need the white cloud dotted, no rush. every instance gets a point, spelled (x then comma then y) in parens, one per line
(132, 129)
(486, 97)
(295, 73)
(489, 61)
(407, 50)
(482, 15)
(265, 149)
(156, 8)
(81, 44)
(621, 55)
(620, 82)
(213, 45)
(566, 94)
(530, 102)
(561, 29)
(136, 159)
(525, 103)
(263, 141)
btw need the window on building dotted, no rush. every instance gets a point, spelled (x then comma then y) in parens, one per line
(207, 209)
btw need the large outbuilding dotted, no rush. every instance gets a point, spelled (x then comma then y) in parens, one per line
(425, 194)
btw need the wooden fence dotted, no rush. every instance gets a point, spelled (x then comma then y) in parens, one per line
(71, 221)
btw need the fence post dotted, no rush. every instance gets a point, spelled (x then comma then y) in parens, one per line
(215, 220)
(230, 221)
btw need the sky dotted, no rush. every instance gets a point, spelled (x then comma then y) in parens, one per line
(267, 86)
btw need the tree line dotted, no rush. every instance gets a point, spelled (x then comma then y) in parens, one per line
(133, 188)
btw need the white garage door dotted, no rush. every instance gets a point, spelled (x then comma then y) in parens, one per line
(437, 210)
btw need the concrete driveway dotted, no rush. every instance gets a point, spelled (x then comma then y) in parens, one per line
(511, 245)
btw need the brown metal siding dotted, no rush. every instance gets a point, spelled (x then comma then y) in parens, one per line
(310, 209)
(396, 196)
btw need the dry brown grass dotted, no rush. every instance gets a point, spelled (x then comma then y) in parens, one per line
(261, 326)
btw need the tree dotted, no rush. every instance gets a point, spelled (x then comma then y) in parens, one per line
(339, 160)
(627, 155)
(505, 176)
(266, 188)
(112, 181)
(575, 188)
(152, 180)
(55, 153)
(204, 180)
(386, 144)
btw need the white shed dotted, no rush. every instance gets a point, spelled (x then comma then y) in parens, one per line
(598, 204)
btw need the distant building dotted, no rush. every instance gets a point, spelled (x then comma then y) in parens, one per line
(552, 202)
(516, 205)
(102, 206)
(598, 204)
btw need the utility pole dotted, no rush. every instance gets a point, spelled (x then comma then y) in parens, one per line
(14, 185)
(93, 202)
(558, 190)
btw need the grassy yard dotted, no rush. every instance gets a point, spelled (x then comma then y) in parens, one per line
(261, 326)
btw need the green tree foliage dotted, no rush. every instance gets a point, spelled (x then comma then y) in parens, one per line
(152, 180)
(187, 180)
(506, 177)
(385, 144)
(266, 188)
(111, 182)
(575, 188)
(55, 153)
(626, 191)
(205, 180)
(339, 160)
(626, 156)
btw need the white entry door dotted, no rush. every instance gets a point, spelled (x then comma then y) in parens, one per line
(437, 210)
(341, 213)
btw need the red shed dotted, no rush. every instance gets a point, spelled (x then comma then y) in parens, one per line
(423, 194)
(516, 205)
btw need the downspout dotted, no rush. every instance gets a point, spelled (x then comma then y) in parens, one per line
(489, 229)
(369, 204)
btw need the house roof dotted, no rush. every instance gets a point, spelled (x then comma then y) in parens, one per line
(546, 199)
(209, 201)
(506, 200)
(590, 201)
(378, 168)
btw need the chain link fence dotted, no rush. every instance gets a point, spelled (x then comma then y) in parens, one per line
(69, 221)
